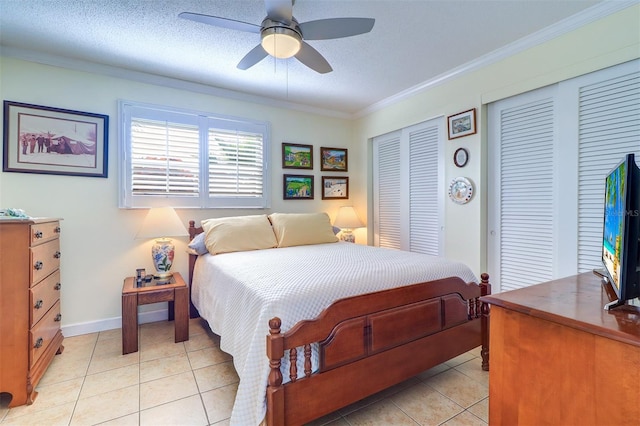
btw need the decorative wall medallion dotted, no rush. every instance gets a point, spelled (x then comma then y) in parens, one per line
(460, 190)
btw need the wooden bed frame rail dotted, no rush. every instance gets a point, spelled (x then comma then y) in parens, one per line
(368, 343)
(371, 342)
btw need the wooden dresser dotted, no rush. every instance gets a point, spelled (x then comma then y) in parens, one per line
(558, 358)
(30, 334)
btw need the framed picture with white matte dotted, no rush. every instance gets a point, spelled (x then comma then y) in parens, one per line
(335, 188)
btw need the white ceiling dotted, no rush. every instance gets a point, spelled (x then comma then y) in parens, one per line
(412, 42)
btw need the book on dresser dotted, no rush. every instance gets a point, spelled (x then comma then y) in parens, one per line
(30, 285)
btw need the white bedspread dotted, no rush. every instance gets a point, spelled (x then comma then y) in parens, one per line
(238, 293)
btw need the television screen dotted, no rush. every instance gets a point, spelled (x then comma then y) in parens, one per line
(614, 222)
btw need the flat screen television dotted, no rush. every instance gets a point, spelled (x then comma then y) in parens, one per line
(621, 231)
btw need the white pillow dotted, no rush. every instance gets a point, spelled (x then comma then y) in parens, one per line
(298, 229)
(239, 233)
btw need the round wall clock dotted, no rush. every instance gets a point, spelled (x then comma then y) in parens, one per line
(460, 157)
(460, 190)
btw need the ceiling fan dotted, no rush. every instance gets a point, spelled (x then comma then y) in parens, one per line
(282, 36)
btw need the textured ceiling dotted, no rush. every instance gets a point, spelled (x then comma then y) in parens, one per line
(413, 41)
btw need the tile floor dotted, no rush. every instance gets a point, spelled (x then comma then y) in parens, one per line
(194, 383)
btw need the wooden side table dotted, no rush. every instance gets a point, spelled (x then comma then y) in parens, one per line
(176, 292)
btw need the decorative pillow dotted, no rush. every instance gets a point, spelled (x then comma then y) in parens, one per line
(239, 233)
(197, 245)
(298, 229)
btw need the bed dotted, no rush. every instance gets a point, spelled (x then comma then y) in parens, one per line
(326, 324)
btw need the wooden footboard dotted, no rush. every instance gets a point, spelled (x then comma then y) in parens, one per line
(370, 342)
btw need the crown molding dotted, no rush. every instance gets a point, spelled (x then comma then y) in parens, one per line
(159, 80)
(592, 14)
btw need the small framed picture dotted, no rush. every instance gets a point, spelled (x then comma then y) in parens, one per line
(54, 141)
(297, 156)
(334, 159)
(335, 188)
(462, 124)
(297, 187)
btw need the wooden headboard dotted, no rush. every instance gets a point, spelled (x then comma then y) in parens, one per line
(193, 231)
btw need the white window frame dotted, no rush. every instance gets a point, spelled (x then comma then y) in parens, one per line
(205, 121)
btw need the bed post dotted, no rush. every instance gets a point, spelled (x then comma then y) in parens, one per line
(193, 231)
(275, 390)
(485, 289)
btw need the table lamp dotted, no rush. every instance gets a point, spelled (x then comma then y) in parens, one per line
(347, 220)
(160, 224)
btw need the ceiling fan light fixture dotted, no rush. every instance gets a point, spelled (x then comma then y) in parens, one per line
(281, 42)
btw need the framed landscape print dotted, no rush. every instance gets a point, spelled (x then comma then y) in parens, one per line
(462, 124)
(335, 188)
(41, 139)
(334, 159)
(297, 156)
(297, 187)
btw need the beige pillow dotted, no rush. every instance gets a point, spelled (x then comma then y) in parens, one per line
(239, 233)
(298, 229)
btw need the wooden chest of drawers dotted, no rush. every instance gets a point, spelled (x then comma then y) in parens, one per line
(30, 334)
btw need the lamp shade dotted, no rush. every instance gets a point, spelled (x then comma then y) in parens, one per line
(162, 222)
(347, 218)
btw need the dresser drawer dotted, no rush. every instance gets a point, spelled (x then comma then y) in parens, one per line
(43, 333)
(45, 258)
(43, 232)
(43, 296)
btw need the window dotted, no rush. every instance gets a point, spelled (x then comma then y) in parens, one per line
(191, 159)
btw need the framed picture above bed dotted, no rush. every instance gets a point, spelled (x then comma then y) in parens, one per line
(297, 187)
(297, 156)
(334, 159)
(335, 188)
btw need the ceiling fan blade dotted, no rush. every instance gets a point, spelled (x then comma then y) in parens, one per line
(313, 59)
(254, 56)
(221, 22)
(325, 29)
(279, 10)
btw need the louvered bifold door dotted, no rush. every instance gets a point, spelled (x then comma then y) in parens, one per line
(609, 128)
(424, 226)
(386, 192)
(522, 197)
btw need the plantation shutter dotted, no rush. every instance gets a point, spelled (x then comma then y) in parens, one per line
(387, 192)
(609, 128)
(423, 191)
(164, 158)
(191, 159)
(235, 164)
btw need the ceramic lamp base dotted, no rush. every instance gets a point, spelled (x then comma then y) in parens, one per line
(162, 253)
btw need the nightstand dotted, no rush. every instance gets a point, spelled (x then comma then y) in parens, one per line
(175, 292)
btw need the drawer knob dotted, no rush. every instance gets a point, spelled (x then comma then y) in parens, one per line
(38, 304)
(38, 265)
(57, 230)
(57, 255)
(39, 343)
(58, 318)
(58, 286)
(37, 234)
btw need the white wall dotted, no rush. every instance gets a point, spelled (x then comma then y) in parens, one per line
(98, 238)
(609, 41)
(98, 245)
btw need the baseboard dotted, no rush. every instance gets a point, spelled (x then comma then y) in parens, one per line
(111, 323)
